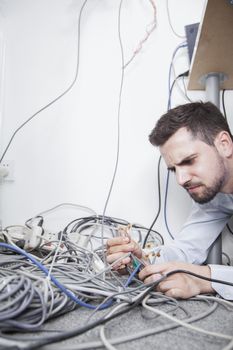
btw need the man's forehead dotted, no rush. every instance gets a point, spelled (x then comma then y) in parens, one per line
(179, 146)
(182, 134)
(180, 139)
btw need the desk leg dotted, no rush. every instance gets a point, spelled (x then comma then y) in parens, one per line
(212, 88)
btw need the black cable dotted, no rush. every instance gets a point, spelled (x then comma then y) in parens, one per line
(184, 74)
(118, 124)
(159, 208)
(185, 90)
(55, 99)
(199, 276)
(229, 229)
(223, 103)
(151, 230)
(112, 222)
(76, 332)
(39, 223)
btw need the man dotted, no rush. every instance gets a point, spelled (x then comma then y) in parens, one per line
(195, 141)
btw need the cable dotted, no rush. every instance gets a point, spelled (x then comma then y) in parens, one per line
(159, 187)
(229, 346)
(185, 74)
(77, 206)
(55, 99)
(229, 229)
(180, 46)
(165, 205)
(227, 257)
(185, 324)
(170, 89)
(226, 303)
(118, 125)
(148, 33)
(175, 82)
(159, 207)
(185, 90)
(223, 103)
(83, 329)
(53, 279)
(123, 65)
(105, 341)
(128, 337)
(169, 20)
(199, 276)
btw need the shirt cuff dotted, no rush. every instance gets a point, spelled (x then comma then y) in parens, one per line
(224, 273)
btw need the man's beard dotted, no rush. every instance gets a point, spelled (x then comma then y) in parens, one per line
(208, 193)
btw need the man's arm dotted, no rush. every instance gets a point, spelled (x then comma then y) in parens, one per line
(179, 285)
(200, 230)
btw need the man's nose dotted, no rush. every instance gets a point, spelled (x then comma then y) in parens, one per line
(182, 176)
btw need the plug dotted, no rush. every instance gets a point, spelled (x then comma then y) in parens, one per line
(3, 172)
(33, 237)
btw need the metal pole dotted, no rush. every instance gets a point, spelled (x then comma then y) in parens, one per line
(212, 87)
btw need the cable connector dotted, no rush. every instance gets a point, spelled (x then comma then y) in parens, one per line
(185, 74)
(97, 264)
(3, 172)
(151, 252)
(33, 238)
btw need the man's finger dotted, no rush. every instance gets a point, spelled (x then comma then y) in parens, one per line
(150, 270)
(152, 278)
(119, 240)
(175, 293)
(165, 286)
(125, 248)
(113, 257)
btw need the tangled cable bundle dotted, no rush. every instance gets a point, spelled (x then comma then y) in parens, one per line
(45, 274)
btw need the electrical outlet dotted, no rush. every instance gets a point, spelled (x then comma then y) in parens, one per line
(7, 170)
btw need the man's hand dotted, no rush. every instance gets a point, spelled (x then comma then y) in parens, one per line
(119, 246)
(179, 285)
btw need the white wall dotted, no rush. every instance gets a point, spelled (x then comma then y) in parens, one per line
(67, 153)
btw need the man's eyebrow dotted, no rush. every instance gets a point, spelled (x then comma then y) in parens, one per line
(186, 159)
(182, 162)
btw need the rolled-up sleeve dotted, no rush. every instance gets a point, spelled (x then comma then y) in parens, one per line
(225, 273)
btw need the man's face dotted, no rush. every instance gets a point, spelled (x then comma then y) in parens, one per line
(198, 166)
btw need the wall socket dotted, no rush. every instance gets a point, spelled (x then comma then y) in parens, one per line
(7, 171)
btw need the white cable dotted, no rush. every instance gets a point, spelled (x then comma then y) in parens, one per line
(54, 257)
(177, 85)
(125, 338)
(170, 23)
(150, 28)
(229, 346)
(77, 206)
(217, 299)
(105, 341)
(184, 324)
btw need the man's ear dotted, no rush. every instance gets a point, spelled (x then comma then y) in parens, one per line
(224, 144)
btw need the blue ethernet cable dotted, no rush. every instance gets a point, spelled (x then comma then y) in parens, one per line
(53, 279)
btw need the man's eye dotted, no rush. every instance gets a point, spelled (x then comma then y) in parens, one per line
(189, 161)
